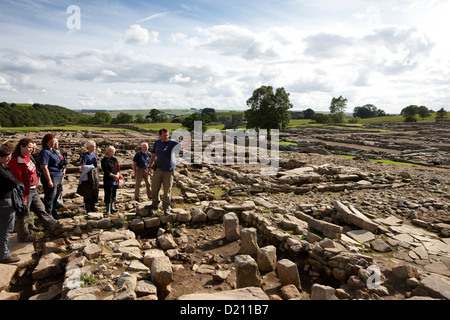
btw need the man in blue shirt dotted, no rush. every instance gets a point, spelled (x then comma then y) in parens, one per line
(141, 161)
(164, 152)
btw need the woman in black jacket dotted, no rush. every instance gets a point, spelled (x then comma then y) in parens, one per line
(7, 211)
(111, 177)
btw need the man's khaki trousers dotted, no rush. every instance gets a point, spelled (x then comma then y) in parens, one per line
(164, 178)
(142, 174)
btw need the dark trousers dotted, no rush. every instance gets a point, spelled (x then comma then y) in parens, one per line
(89, 203)
(7, 215)
(110, 193)
(51, 195)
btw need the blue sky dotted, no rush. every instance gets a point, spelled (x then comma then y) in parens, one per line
(183, 54)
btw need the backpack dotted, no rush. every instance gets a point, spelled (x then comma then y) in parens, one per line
(18, 200)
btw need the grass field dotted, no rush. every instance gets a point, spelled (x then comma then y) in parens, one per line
(294, 123)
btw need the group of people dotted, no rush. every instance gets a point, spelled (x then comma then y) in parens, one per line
(89, 183)
(21, 169)
(156, 165)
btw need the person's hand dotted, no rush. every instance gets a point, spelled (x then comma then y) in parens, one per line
(50, 184)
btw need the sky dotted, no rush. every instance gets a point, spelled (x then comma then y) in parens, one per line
(119, 55)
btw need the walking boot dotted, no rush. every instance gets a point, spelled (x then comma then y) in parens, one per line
(23, 235)
(113, 204)
(166, 211)
(108, 208)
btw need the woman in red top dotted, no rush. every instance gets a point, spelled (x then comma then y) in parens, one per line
(24, 168)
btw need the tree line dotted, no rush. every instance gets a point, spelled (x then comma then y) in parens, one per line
(268, 109)
(19, 115)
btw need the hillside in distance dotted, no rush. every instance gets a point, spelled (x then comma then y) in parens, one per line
(28, 115)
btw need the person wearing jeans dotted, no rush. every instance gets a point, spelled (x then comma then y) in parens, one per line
(52, 174)
(7, 211)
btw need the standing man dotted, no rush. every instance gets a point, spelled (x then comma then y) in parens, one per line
(164, 152)
(141, 171)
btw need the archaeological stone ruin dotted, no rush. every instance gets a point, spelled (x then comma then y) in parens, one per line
(350, 214)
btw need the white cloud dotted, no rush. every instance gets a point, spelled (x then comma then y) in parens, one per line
(109, 73)
(140, 36)
(205, 56)
(178, 78)
(5, 86)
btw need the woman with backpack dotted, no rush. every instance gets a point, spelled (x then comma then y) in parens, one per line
(23, 167)
(7, 209)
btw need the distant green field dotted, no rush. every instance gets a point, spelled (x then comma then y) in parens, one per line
(294, 123)
(398, 118)
(171, 112)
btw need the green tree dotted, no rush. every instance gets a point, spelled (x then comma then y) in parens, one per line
(423, 112)
(309, 113)
(337, 117)
(410, 110)
(409, 113)
(366, 111)
(211, 113)
(188, 122)
(102, 118)
(268, 110)
(156, 116)
(123, 117)
(153, 115)
(441, 115)
(337, 107)
(321, 118)
(381, 113)
(410, 118)
(86, 119)
(139, 118)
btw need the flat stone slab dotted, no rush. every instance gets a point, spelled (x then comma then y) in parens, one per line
(404, 237)
(20, 248)
(7, 271)
(361, 235)
(438, 267)
(248, 293)
(380, 246)
(390, 221)
(438, 287)
(9, 295)
(138, 267)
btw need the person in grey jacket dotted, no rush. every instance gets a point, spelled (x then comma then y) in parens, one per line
(7, 211)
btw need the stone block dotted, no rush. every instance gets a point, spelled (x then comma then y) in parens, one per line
(288, 273)
(247, 273)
